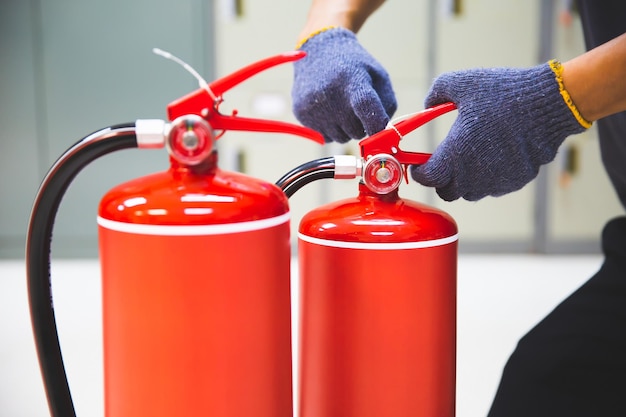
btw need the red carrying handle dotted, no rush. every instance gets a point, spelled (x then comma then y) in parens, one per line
(204, 102)
(388, 141)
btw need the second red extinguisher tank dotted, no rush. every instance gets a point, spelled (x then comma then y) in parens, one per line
(378, 300)
(377, 289)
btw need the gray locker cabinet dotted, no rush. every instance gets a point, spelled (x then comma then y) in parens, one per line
(71, 67)
(19, 150)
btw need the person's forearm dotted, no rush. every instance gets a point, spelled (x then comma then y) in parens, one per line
(349, 14)
(596, 80)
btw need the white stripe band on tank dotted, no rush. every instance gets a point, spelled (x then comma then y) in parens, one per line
(380, 246)
(193, 230)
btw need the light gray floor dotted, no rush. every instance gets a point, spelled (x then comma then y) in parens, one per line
(499, 298)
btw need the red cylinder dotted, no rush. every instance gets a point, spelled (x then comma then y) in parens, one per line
(378, 309)
(196, 296)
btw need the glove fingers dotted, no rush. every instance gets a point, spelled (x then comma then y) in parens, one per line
(384, 90)
(331, 131)
(432, 174)
(442, 91)
(338, 135)
(354, 116)
(370, 112)
(438, 174)
(334, 133)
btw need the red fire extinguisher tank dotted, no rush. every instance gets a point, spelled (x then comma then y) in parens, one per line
(196, 295)
(378, 309)
(195, 269)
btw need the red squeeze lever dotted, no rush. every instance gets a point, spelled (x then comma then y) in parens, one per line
(204, 102)
(388, 141)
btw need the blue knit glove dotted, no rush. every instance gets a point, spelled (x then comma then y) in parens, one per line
(339, 89)
(509, 123)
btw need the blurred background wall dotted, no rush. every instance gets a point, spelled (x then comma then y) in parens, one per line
(70, 67)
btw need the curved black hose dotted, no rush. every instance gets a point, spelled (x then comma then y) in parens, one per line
(38, 238)
(306, 173)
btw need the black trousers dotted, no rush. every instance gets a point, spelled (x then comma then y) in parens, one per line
(573, 363)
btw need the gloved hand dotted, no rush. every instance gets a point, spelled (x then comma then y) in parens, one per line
(509, 123)
(339, 89)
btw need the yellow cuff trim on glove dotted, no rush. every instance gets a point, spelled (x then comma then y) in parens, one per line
(317, 32)
(557, 68)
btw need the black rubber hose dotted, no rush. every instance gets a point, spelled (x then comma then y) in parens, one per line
(38, 241)
(307, 173)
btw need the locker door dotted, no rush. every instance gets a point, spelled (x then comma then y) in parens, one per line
(19, 152)
(93, 66)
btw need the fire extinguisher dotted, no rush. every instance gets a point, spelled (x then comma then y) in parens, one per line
(378, 289)
(195, 270)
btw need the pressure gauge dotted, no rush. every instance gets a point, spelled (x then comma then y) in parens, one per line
(382, 173)
(190, 140)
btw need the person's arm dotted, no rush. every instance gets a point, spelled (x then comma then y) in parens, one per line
(596, 80)
(348, 14)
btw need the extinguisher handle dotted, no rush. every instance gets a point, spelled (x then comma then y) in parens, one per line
(388, 141)
(222, 122)
(227, 82)
(205, 102)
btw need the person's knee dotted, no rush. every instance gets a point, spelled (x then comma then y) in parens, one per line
(614, 241)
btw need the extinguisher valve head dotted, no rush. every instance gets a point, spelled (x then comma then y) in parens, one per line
(382, 173)
(190, 139)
